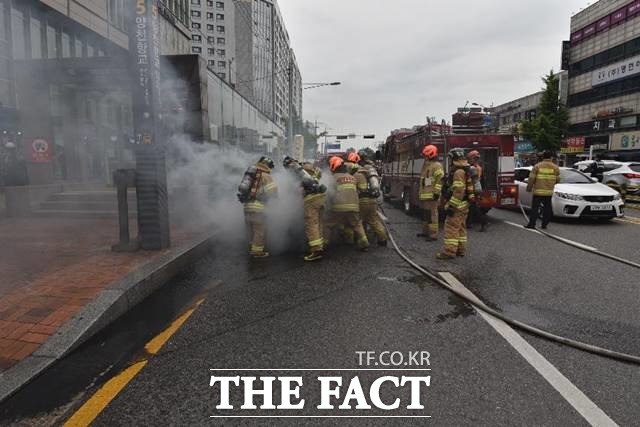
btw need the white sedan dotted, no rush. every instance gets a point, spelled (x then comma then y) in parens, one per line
(576, 196)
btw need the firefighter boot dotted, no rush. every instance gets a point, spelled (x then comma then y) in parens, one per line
(313, 256)
(442, 255)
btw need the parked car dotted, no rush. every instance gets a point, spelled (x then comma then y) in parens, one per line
(596, 168)
(576, 196)
(625, 179)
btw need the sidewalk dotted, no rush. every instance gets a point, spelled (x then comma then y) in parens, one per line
(52, 268)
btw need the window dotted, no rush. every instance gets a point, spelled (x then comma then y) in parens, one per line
(222, 75)
(211, 39)
(210, 3)
(210, 27)
(220, 29)
(196, 49)
(219, 16)
(211, 51)
(196, 38)
(222, 64)
(196, 2)
(221, 40)
(78, 46)
(18, 33)
(211, 63)
(52, 43)
(36, 37)
(195, 25)
(195, 14)
(220, 5)
(222, 53)
(210, 15)
(66, 45)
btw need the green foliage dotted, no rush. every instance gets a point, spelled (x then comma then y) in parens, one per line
(547, 130)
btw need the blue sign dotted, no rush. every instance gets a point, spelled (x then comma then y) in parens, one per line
(333, 146)
(524, 147)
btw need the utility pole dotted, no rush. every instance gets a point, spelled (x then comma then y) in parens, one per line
(230, 62)
(290, 133)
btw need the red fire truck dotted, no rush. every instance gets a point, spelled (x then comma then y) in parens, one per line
(402, 164)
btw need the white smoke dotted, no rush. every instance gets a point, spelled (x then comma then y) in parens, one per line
(203, 181)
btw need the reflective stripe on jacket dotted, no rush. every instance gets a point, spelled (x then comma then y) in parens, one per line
(345, 198)
(461, 191)
(430, 180)
(543, 177)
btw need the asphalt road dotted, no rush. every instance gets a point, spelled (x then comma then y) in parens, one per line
(284, 314)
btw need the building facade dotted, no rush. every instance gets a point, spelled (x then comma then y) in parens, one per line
(213, 35)
(246, 43)
(604, 80)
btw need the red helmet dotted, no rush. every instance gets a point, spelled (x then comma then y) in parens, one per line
(475, 154)
(430, 151)
(353, 157)
(335, 162)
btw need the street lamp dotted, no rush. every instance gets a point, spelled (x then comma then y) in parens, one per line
(309, 86)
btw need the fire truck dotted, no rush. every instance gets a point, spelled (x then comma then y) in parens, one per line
(402, 163)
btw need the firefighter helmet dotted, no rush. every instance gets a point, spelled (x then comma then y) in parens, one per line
(335, 162)
(267, 161)
(430, 151)
(353, 157)
(456, 154)
(364, 155)
(287, 161)
(474, 154)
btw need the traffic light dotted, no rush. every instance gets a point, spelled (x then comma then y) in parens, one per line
(369, 137)
(342, 137)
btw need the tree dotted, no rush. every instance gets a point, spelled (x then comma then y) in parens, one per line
(548, 128)
(305, 129)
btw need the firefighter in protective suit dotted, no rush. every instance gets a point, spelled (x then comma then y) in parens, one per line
(369, 194)
(261, 189)
(460, 185)
(351, 160)
(429, 192)
(345, 207)
(314, 201)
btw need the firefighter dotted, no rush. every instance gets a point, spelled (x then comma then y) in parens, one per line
(460, 186)
(255, 190)
(345, 208)
(314, 201)
(429, 192)
(369, 192)
(475, 213)
(544, 176)
(351, 160)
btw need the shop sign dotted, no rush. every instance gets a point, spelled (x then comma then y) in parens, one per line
(616, 71)
(40, 151)
(625, 141)
(524, 147)
(573, 145)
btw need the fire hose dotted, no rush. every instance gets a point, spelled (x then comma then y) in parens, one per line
(584, 248)
(590, 348)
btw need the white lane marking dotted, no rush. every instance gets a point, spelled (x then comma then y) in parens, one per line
(572, 394)
(569, 241)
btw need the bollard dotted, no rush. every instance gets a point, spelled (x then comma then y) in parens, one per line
(124, 179)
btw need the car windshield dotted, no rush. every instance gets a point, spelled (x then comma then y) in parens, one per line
(572, 176)
(635, 167)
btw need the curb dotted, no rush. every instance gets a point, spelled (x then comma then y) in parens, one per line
(110, 304)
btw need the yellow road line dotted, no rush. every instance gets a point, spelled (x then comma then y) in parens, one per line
(159, 340)
(96, 404)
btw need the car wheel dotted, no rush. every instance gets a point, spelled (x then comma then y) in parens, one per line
(406, 201)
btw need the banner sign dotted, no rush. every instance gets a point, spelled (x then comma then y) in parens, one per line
(333, 146)
(573, 145)
(40, 151)
(625, 141)
(619, 70)
(145, 43)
